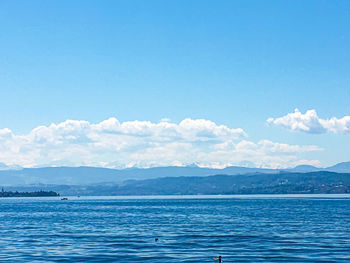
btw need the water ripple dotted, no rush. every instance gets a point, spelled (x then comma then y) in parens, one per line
(188, 230)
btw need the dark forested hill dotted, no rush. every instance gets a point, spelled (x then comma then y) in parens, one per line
(281, 183)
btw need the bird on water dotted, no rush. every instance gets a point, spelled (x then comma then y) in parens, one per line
(218, 259)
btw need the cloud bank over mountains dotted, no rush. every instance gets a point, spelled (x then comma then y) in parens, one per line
(115, 144)
(311, 123)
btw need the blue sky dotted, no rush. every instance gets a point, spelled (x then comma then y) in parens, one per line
(235, 63)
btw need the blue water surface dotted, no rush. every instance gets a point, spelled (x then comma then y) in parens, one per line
(189, 229)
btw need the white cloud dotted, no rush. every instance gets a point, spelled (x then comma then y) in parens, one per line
(111, 143)
(311, 123)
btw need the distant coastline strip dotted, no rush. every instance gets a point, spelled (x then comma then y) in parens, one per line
(28, 194)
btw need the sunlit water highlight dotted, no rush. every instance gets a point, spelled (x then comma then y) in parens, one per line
(189, 229)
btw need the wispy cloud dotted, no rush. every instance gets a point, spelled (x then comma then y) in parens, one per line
(311, 123)
(111, 143)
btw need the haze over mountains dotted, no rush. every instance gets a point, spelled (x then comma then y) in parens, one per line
(13, 176)
(9, 167)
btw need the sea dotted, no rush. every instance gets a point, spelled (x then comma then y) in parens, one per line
(252, 228)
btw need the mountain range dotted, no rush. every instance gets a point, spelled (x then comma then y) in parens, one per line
(320, 182)
(95, 175)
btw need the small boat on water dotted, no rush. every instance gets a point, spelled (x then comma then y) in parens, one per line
(64, 198)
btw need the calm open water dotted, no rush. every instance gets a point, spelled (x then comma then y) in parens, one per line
(189, 229)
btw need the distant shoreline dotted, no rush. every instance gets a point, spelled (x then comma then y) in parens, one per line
(28, 194)
(193, 197)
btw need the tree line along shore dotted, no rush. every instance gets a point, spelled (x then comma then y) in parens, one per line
(41, 193)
